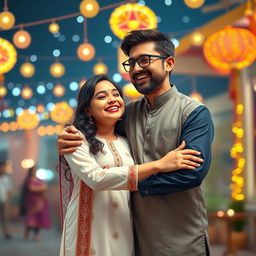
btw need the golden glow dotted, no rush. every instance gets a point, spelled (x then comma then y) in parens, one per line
(22, 39)
(59, 90)
(194, 3)
(230, 48)
(26, 93)
(197, 38)
(3, 91)
(130, 91)
(131, 17)
(220, 213)
(230, 212)
(7, 20)
(100, 68)
(40, 108)
(27, 163)
(85, 52)
(196, 96)
(57, 69)
(54, 28)
(27, 120)
(13, 126)
(89, 8)
(8, 56)
(239, 109)
(62, 113)
(27, 69)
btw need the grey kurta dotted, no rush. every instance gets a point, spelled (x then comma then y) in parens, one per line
(173, 224)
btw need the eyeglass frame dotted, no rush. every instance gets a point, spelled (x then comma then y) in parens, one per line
(142, 55)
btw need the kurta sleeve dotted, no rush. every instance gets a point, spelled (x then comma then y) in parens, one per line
(197, 132)
(84, 165)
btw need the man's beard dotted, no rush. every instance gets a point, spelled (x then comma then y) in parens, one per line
(150, 87)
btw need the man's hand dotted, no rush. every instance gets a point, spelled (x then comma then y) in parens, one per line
(68, 140)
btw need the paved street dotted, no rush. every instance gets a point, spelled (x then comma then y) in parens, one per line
(49, 245)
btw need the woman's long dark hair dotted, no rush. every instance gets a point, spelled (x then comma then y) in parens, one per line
(82, 121)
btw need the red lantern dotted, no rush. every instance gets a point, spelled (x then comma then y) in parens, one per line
(230, 48)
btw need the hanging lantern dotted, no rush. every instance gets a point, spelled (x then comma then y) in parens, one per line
(7, 20)
(130, 91)
(57, 69)
(3, 91)
(27, 69)
(54, 28)
(22, 39)
(40, 108)
(131, 17)
(86, 51)
(8, 56)
(197, 96)
(26, 93)
(58, 90)
(194, 3)
(230, 48)
(197, 38)
(27, 120)
(82, 82)
(61, 113)
(89, 8)
(100, 68)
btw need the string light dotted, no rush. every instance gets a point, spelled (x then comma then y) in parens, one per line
(22, 39)
(54, 28)
(89, 8)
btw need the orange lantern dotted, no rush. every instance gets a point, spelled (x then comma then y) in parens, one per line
(100, 68)
(54, 27)
(27, 120)
(7, 20)
(22, 39)
(58, 90)
(86, 51)
(230, 48)
(8, 56)
(26, 93)
(131, 17)
(57, 69)
(89, 8)
(27, 69)
(61, 113)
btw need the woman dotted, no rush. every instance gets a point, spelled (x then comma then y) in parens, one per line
(98, 219)
(34, 204)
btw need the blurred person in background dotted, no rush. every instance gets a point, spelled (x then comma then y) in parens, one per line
(34, 204)
(5, 196)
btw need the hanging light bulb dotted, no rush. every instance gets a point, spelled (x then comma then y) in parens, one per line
(3, 91)
(89, 8)
(27, 69)
(86, 51)
(197, 96)
(197, 38)
(57, 69)
(54, 27)
(100, 68)
(26, 93)
(22, 39)
(58, 90)
(7, 20)
(194, 3)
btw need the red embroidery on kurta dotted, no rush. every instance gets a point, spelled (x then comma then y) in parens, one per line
(132, 181)
(84, 220)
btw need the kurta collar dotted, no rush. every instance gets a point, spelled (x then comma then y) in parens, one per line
(160, 100)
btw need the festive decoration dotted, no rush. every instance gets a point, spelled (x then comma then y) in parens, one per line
(27, 120)
(27, 69)
(59, 90)
(194, 3)
(196, 96)
(89, 8)
(22, 39)
(230, 48)
(197, 39)
(130, 91)
(86, 51)
(131, 17)
(40, 108)
(100, 68)
(7, 20)
(27, 163)
(26, 93)
(57, 69)
(3, 91)
(54, 27)
(61, 113)
(8, 56)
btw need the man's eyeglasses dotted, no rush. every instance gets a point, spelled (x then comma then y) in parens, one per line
(143, 61)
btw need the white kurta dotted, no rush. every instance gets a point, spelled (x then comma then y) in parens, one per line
(98, 219)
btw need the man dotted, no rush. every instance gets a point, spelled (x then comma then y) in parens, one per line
(168, 209)
(5, 195)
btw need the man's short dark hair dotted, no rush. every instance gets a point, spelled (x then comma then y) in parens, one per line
(163, 44)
